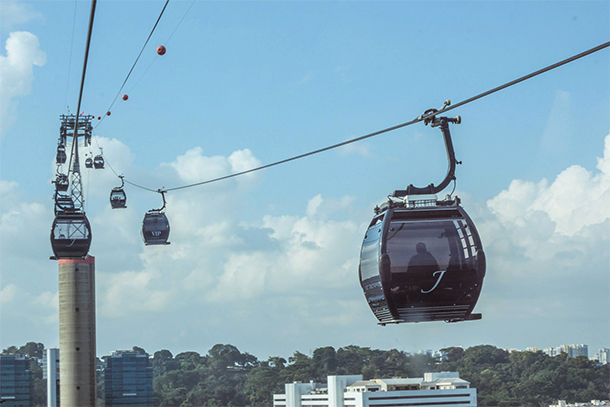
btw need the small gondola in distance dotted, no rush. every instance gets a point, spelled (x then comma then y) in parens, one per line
(61, 156)
(155, 228)
(155, 225)
(118, 197)
(89, 162)
(61, 182)
(98, 162)
(422, 258)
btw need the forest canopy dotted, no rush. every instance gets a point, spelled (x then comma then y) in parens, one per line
(225, 376)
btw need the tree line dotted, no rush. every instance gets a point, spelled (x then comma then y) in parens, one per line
(227, 377)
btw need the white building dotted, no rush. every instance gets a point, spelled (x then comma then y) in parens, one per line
(572, 351)
(50, 371)
(593, 403)
(603, 356)
(432, 390)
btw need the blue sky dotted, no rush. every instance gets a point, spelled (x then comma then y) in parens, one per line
(268, 261)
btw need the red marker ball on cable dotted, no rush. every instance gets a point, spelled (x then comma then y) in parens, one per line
(108, 113)
(125, 97)
(161, 50)
(99, 118)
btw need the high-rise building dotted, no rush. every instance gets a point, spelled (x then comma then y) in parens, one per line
(15, 381)
(128, 379)
(603, 356)
(50, 372)
(573, 351)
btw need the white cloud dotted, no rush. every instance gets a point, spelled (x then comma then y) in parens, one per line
(194, 167)
(576, 199)
(8, 294)
(14, 13)
(16, 72)
(548, 252)
(312, 254)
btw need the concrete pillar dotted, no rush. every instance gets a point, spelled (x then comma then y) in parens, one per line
(77, 353)
(336, 388)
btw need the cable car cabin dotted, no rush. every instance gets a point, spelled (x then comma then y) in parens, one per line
(422, 261)
(89, 162)
(70, 235)
(98, 162)
(63, 203)
(61, 155)
(118, 198)
(61, 182)
(155, 228)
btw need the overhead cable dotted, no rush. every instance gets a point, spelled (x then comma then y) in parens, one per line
(136, 61)
(82, 85)
(165, 43)
(386, 130)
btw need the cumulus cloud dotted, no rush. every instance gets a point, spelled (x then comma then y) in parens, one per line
(576, 199)
(548, 251)
(193, 167)
(310, 253)
(16, 72)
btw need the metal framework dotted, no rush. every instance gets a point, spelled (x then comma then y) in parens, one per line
(75, 128)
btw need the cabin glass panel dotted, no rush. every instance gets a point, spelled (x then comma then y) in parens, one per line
(70, 229)
(431, 263)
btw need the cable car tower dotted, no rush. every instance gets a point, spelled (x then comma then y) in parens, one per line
(71, 232)
(70, 240)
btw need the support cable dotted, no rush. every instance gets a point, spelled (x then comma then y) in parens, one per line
(82, 85)
(136, 61)
(165, 43)
(386, 130)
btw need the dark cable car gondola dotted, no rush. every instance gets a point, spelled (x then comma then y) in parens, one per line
(63, 203)
(61, 154)
(98, 162)
(422, 259)
(118, 198)
(155, 226)
(61, 182)
(70, 235)
(89, 162)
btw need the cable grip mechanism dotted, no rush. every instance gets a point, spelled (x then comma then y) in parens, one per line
(430, 116)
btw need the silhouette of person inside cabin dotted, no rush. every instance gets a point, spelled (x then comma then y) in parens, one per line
(423, 261)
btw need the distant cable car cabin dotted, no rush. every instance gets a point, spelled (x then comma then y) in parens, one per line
(155, 226)
(70, 235)
(422, 259)
(98, 162)
(61, 154)
(61, 182)
(89, 162)
(63, 203)
(118, 198)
